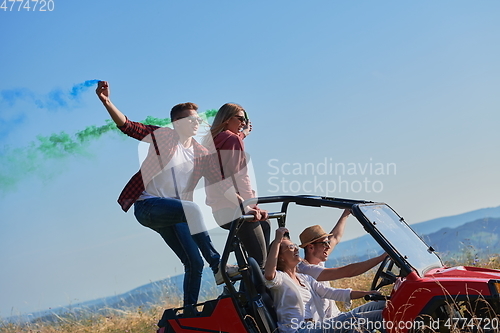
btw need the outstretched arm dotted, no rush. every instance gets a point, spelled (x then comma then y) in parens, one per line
(340, 295)
(338, 230)
(355, 294)
(102, 92)
(355, 269)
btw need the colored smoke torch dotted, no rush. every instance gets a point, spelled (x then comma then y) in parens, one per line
(43, 157)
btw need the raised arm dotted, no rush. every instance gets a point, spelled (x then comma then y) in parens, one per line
(338, 230)
(272, 256)
(355, 269)
(246, 130)
(102, 92)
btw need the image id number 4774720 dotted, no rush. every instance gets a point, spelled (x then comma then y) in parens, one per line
(27, 5)
(470, 323)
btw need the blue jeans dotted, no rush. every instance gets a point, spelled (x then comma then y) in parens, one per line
(167, 216)
(371, 310)
(364, 318)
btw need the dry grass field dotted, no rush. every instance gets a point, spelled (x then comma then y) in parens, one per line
(144, 320)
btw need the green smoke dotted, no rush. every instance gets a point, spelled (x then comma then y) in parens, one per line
(43, 157)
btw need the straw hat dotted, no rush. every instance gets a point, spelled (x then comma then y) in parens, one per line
(312, 234)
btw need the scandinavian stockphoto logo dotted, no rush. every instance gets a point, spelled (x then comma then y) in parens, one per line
(327, 176)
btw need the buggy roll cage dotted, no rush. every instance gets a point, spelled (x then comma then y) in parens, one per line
(232, 244)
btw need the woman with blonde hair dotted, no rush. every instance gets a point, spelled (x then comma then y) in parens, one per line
(229, 128)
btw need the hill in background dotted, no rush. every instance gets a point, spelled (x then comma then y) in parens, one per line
(453, 237)
(473, 240)
(431, 226)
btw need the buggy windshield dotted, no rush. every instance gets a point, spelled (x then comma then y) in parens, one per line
(401, 237)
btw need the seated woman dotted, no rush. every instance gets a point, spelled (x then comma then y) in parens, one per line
(297, 297)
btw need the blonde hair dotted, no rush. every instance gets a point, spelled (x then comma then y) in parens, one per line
(226, 112)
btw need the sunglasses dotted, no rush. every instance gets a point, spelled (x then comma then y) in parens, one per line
(292, 247)
(192, 119)
(324, 243)
(241, 118)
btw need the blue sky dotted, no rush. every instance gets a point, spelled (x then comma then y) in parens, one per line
(359, 84)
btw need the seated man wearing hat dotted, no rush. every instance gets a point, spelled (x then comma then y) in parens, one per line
(318, 245)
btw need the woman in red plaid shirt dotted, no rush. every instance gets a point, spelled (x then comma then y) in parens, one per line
(226, 135)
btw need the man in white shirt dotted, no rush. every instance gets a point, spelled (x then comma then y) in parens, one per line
(162, 190)
(318, 245)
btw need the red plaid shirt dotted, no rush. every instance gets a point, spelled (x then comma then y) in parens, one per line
(163, 143)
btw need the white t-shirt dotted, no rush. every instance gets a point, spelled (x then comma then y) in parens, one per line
(309, 308)
(330, 308)
(162, 185)
(290, 303)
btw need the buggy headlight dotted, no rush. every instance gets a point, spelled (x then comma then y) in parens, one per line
(494, 287)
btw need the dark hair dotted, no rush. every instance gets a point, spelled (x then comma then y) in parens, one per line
(279, 266)
(177, 109)
(285, 236)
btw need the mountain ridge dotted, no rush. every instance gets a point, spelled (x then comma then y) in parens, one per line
(364, 247)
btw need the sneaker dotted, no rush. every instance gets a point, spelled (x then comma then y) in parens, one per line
(231, 270)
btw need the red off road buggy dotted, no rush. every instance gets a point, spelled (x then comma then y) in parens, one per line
(426, 296)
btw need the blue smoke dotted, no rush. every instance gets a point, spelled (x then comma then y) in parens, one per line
(81, 87)
(10, 96)
(56, 98)
(53, 100)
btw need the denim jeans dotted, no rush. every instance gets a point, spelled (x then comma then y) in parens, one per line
(167, 216)
(372, 310)
(364, 318)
